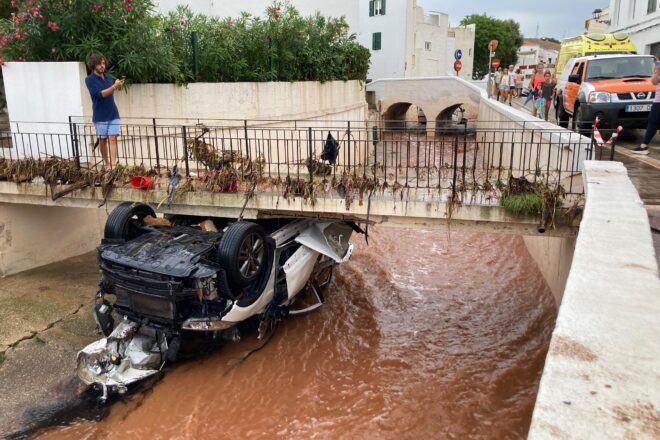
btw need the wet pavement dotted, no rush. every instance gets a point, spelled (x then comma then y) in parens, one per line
(45, 318)
(644, 171)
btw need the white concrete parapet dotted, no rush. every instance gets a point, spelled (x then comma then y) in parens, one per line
(602, 373)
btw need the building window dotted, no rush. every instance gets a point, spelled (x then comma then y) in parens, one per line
(376, 7)
(652, 6)
(375, 41)
(427, 45)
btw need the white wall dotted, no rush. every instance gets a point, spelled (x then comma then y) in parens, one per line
(44, 92)
(396, 38)
(463, 39)
(431, 28)
(631, 16)
(231, 8)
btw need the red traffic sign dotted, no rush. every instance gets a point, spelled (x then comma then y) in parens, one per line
(495, 63)
(492, 45)
(458, 65)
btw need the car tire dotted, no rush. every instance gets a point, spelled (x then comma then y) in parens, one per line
(126, 220)
(578, 124)
(244, 254)
(562, 116)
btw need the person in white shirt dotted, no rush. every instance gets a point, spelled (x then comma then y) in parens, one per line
(512, 82)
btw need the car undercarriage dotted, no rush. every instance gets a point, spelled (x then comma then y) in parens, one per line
(163, 280)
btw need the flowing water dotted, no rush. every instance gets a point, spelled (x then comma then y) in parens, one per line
(423, 335)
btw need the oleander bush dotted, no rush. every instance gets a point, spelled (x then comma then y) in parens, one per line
(152, 48)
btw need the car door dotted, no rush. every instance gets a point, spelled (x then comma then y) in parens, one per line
(573, 88)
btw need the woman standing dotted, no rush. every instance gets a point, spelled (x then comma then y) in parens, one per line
(535, 85)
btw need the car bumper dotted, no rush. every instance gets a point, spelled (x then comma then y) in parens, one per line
(614, 114)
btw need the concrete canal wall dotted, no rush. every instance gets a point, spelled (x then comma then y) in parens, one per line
(602, 373)
(33, 235)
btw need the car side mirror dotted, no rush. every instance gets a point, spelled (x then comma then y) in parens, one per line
(574, 78)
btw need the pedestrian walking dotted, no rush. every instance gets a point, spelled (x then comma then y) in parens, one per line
(498, 78)
(518, 83)
(535, 85)
(504, 85)
(654, 117)
(546, 95)
(512, 83)
(105, 114)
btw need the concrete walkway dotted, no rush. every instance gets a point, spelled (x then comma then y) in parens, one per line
(45, 318)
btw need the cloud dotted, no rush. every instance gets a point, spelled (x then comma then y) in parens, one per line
(557, 19)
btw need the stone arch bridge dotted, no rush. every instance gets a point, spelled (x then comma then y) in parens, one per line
(435, 98)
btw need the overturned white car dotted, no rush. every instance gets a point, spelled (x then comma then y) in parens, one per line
(198, 275)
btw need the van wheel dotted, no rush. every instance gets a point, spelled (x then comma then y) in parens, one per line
(562, 116)
(578, 124)
(125, 222)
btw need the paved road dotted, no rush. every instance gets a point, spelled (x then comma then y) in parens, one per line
(644, 171)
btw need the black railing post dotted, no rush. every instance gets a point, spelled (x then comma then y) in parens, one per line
(74, 142)
(348, 134)
(156, 144)
(310, 154)
(247, 139)
(453, 182)
(185, 150)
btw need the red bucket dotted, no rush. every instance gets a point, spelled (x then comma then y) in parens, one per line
(142, 182)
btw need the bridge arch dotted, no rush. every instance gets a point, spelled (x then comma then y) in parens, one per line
(450, 116)
(403, 116)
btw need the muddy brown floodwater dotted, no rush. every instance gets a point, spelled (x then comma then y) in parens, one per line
(422, 336)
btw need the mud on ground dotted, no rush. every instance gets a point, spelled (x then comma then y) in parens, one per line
(45, 318)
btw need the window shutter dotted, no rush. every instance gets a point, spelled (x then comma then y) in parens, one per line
(382, 7)
(371, 8)
(375, 42)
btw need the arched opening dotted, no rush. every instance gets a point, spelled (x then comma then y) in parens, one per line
(404, 116)
(451, 118)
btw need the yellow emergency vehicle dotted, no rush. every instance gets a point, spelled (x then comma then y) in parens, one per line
(593, 44)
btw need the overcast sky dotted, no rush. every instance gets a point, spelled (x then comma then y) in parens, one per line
(556, 18)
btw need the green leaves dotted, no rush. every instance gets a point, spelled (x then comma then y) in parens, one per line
(507, 32)
(146, 48)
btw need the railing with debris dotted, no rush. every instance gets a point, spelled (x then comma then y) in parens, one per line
(228, 153)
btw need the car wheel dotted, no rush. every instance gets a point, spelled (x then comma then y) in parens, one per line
(578, 124)
(126, 220)
(562, 116)
(243, 253)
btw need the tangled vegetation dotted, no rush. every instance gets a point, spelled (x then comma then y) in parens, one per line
(181, 46)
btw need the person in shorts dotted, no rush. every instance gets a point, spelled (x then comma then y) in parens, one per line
(504, 85)
(512, 83)
(105, 114)
(518, 83)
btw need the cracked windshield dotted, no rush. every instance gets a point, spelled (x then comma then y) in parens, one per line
(361, 219)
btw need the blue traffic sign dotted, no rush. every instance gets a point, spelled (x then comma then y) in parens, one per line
(458, 54)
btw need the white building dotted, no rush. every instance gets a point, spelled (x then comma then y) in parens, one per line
(641, 20)
(599, 22)
(404, 42)
(534, 51)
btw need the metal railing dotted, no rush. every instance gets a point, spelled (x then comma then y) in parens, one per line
(450, 159)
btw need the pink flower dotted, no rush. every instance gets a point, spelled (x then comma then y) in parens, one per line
(20, 58)
(13, 4)
(53, 50)
(129, 7)
(97, 7)
(53, 26)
